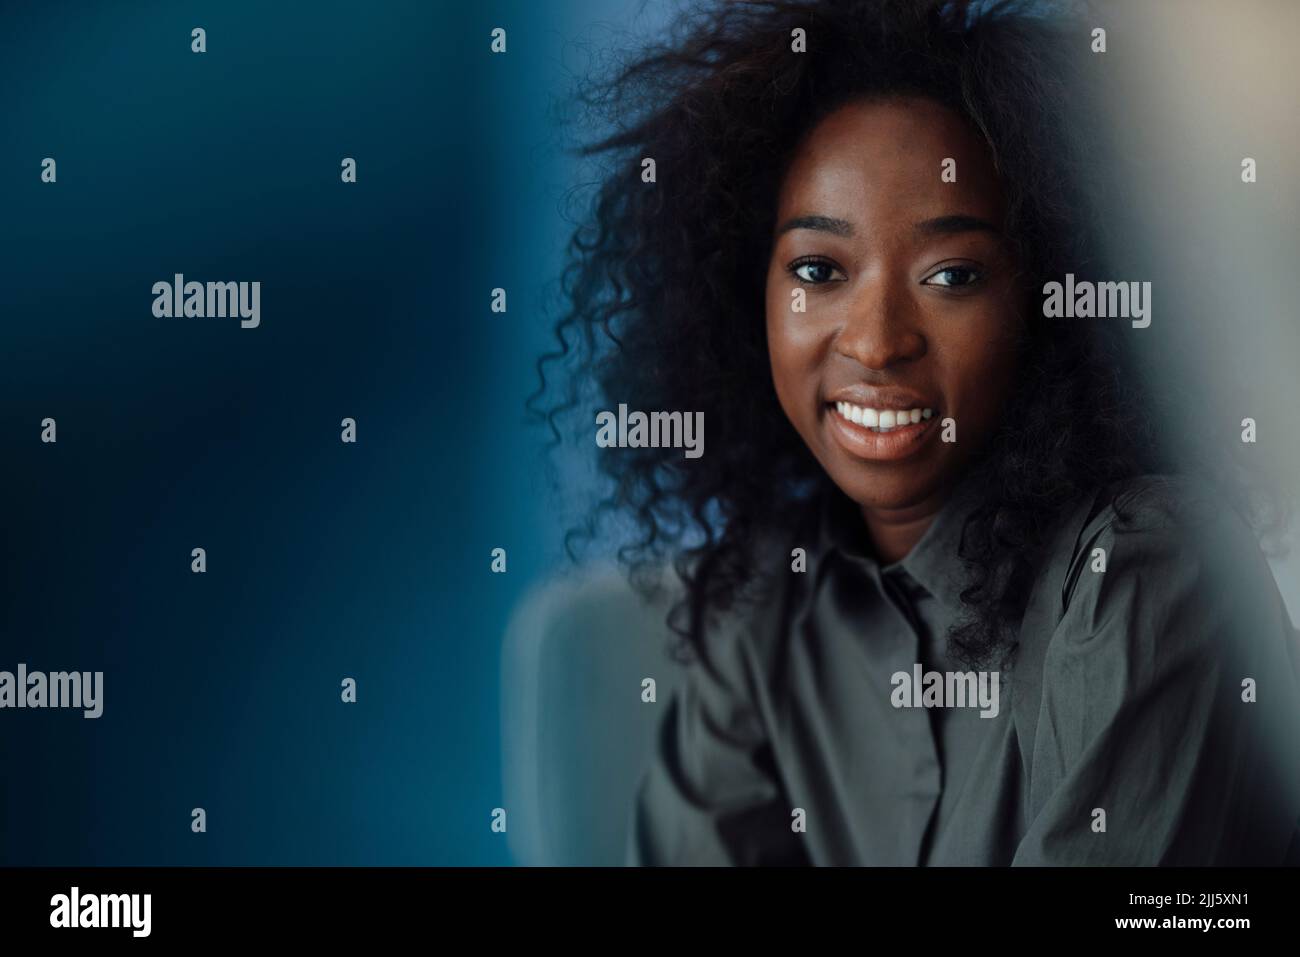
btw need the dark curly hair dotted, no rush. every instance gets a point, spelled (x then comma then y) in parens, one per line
(664, 285)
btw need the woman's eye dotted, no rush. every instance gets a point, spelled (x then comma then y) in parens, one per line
(816, 271)
(955, 277)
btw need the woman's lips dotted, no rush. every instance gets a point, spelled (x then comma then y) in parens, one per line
(861, 442)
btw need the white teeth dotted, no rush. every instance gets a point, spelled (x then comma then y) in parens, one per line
(881, 420)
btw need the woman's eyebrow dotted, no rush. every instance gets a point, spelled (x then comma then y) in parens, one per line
(826, 224)
(947, 225)
(939, 226)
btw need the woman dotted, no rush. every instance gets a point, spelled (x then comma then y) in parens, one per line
(948, 601)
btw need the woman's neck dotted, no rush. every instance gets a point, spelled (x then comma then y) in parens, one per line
(894, 532)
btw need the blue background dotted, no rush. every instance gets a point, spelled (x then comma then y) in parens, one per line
(325, 560)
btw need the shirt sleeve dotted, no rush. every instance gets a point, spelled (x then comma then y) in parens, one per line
(711, 794)
(1170, 704)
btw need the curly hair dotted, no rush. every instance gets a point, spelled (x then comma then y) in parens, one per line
(664, 285)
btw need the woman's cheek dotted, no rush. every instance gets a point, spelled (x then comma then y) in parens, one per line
(985, 385)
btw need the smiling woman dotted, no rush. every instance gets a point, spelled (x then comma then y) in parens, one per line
(915, 306)
(839, 264)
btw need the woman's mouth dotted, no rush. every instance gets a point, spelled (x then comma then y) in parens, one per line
(879, 434)
(881, 420)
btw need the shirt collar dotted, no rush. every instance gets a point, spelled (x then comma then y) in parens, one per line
(932, 563)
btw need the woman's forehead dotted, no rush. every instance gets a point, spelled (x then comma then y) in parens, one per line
(892, 153)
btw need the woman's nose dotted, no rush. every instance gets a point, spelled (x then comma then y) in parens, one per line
(882, 326)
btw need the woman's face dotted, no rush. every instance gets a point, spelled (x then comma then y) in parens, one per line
(911, 308)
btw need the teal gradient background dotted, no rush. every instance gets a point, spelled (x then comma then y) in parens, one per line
(325, 560)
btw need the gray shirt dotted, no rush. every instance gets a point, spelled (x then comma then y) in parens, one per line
(1151, 717)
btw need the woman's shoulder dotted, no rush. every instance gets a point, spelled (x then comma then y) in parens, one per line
(1165, 555)
(1179, 516)
(1165, 501)
(1176, 519)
